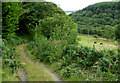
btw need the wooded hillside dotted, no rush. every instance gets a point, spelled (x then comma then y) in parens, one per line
(98, 19)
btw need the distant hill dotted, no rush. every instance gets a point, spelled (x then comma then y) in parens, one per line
(98, 19)
(68, 12)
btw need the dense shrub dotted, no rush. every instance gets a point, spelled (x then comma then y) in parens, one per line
(109, 62)
(87, 58)
(10, 18)
(16, 40)
(46, 50)
(58, 26)
(37, 11)
(10, 58)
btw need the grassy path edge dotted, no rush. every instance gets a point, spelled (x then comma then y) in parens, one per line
(34, 70)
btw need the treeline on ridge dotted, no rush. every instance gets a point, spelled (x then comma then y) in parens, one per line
(98, 19)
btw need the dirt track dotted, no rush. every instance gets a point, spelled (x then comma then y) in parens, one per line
(22, 73)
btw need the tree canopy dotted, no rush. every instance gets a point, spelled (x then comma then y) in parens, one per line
(37, 11)
(37, 18)
(10, 18)
(98, 19)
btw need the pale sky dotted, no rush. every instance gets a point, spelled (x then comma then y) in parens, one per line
(73, 5)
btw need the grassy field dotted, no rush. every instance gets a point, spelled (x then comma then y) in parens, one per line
(87, 40)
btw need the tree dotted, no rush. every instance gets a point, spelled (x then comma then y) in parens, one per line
(117, 32)
(58, 27)
(38, 11)
(10, 19)
(104, 15)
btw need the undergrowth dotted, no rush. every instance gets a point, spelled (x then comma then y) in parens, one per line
(72, 62)
(10, 58)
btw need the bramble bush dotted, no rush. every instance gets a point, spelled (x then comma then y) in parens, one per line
(52, 35)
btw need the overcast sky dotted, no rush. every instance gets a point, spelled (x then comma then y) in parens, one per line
(72, 5)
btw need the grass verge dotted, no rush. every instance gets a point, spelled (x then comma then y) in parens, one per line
(34, 71)
(0, 69)
(7, 76)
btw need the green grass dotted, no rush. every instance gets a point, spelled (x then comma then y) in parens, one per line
(0, 69)
(87, 40)
(34, 71)
(0, 61)
(0, 41)
(7, 76)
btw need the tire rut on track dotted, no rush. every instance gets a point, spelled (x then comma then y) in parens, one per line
(22, 73)
(52, 74)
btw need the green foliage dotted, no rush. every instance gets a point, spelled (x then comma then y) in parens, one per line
(10, 58)
(37, 12)
(117, 31)
(54, 37)
(72, 60)
(59, 27)
(49, 21)
(10, 19)
(11, 11)
(110, 57)
(16, 40)
(55, 41)
(98, 19)
(46, 51)
(73, 65)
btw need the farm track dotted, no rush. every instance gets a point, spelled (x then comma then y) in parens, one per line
(22, 75)
(22, 72)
